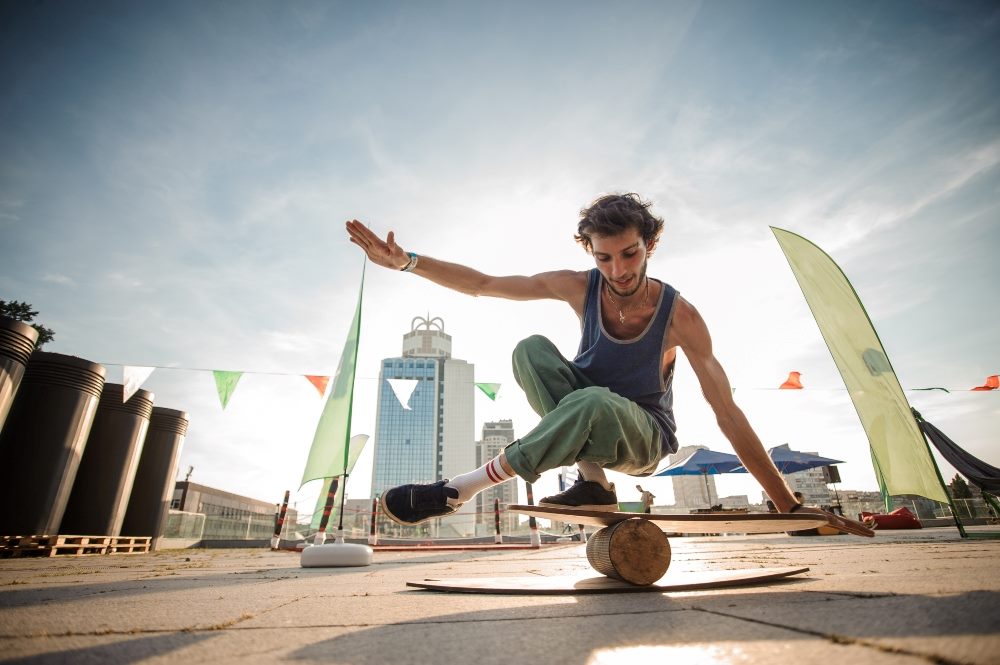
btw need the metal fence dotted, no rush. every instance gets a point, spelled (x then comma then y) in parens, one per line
(198, 526)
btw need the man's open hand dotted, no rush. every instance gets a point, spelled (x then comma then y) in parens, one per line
(384, 253)
(838, 522)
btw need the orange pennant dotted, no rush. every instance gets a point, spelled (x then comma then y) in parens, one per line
(992, 383)
(320, 383)
(793, 382)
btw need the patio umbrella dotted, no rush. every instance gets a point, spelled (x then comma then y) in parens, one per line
(704, 462)
(791, 461)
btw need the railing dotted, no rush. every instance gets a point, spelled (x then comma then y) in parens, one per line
(199, 526)
(180, 524)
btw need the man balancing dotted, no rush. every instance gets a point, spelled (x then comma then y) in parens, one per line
(611, 407)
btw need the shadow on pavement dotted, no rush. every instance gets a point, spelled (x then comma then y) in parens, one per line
(150, 581)
(568, 633)
(125, 651)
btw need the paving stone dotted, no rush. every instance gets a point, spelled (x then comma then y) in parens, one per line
(899, 598)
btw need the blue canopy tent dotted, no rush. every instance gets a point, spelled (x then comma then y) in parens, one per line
(793, 461)
(704, 462)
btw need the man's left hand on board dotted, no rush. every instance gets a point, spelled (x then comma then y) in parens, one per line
(838, 522)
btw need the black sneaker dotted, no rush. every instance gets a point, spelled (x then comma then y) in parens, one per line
(584, 495)
(413, 504)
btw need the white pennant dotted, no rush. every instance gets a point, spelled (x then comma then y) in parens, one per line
(403, 389)
(133, 378)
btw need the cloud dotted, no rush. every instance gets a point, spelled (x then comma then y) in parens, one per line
(60, 279)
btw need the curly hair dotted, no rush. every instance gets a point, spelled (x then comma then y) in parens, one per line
(613, 213)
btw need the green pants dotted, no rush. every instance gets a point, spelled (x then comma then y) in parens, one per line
(580, 421)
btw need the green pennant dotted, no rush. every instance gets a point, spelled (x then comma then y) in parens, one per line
(225, 383)
(489, 389)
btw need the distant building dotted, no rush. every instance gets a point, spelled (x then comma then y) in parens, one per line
(496, 436)
(812, 484)
(431, 437)
(738, 502)
(692, 492)
(214, 514)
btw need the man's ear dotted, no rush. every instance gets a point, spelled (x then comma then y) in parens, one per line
(651, 246)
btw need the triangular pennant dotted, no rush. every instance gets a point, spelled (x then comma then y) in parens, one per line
(992, 383)
(225, 383)
(491, 390)
(133, 378)
(403, 390)
(319, 381)
(793, 382)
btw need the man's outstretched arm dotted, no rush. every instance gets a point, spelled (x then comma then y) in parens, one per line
(566, 285)
(689, 332)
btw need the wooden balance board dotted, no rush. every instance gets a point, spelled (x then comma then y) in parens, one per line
(633, 552)
(541, 585)
(683, 524)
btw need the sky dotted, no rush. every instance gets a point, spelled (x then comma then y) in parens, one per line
(175, 177)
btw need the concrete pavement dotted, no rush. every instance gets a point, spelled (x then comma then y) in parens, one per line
(902, 597)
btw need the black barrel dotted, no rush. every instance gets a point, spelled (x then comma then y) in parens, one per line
(43, 440)
(149, 503)
(17, 341)
(104, 480)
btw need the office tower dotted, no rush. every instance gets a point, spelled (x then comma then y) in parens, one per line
(496, 436)
(424, 426)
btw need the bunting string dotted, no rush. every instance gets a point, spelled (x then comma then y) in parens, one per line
(133, 376)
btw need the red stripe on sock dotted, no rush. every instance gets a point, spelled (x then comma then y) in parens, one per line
(491, 473)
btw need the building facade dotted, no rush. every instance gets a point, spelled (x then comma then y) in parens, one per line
(692, 492)
(202, 512)
(496, 436)
(812, 484)
(425, 419)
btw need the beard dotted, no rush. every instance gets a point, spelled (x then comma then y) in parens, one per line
(638, 284)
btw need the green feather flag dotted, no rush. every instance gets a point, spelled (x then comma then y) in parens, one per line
(330, 452)
(358, 442)
(902, 460)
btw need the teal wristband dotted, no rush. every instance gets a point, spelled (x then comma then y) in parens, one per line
(412, 264)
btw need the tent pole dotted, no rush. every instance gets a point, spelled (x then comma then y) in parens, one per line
(343, 499)
(951, 499)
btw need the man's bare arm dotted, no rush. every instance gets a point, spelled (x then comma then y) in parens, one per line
(689, 331)
(567, 285)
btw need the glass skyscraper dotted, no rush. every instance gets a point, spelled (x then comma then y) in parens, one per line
(430, 437)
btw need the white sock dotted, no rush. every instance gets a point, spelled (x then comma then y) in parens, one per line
(590, 471)
(472, 483)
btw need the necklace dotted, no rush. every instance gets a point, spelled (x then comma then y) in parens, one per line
(621, 312)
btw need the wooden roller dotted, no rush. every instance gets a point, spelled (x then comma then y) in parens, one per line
(634, 551)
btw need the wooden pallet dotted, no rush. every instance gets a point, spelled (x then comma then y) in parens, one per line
(17, 546)
(129, 545)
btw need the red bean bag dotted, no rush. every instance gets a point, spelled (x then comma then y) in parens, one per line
(901, 518)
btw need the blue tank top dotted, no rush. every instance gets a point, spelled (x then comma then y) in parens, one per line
(631, 368)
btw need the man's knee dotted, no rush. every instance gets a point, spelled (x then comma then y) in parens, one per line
(592, 399)
(531, 349)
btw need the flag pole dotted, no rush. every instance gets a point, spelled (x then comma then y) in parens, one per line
(340, 553)
(350, 408)
(343, 500)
